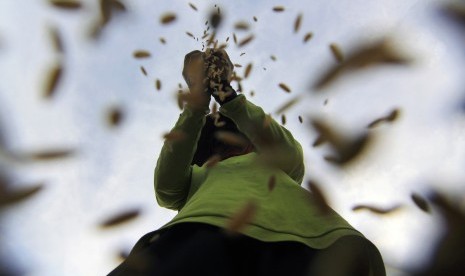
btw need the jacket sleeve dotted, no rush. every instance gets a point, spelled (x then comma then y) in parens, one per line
(274, 142)
(173, 171)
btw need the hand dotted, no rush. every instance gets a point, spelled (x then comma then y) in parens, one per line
(219, 70)
(195, 77)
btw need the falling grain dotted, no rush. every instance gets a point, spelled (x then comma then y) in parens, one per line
(420, 202)
(283, 119)
(57, 41)
(290, 103)
(346, 149)
(158, 84)
(49, 154)
(318, 197)
(9, 197)
(278, 9)
(142, 69)
(272, 183)
(377, 210)
(66, 4)
(267, 121)
(242, 54)
(285, 87)
(307, 37)
(212, 161)
(247, 70)
(120, 218)
(174, 136)
(234, 38)
(246, 40)
(167, 18)
(237, 65)
(300, 119)
(190, 34)
(231, 138)
(242, 218)
(141, 54)
(273, 58)
(114, 116)
(389, 118)
(454, 12)
(53, 78)
(297, 23)
(162, 40)
(379, 53)
(320, 139)
(255, 19)
(193, 6)
(241, 25)
(215, 18)
(337, 53)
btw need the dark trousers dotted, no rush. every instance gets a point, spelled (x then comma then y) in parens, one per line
(202, 249)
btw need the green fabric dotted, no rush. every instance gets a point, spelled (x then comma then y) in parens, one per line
(212, 195)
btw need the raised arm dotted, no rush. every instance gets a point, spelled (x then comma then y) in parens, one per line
(268, 136)
(173, 170)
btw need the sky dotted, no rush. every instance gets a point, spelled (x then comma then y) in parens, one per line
(57, 232)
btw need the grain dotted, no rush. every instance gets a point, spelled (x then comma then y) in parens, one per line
(246, 40)
(174, 136)
(231, 138)
(392, 116)
(337, 53)
(115, 116)
(363, 57)
(167, 18)
(52, 80)
(142, 69)
(247, 70)
(120, 218)
(377, 210)
(141, 54)
(10, 197)
(290, 103)
(66, 4)
(212, 161)
(284, 87)
(242, 217)
(297, 23)
(307, 37)
(193, 6)
(420, 202)
(271, 182)
(318, 197)
(158, 84)
(57, 41)
(241, 25)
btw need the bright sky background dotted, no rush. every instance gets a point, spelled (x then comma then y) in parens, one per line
(56, 232)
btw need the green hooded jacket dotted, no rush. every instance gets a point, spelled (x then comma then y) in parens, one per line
(288, 212)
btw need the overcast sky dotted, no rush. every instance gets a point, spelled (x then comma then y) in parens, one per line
(56, 232)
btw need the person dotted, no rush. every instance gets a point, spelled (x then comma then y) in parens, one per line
(234, 176)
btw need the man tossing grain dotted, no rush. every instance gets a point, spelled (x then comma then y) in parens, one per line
(234, 176)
